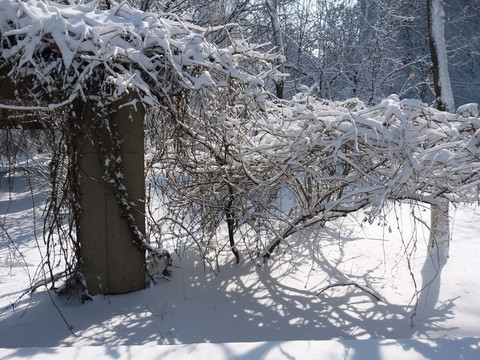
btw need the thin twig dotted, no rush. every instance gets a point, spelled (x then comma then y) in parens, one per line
(361, 287)
(70, 327)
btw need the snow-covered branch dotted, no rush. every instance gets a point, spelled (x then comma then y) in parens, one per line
(342, 157)
(330, 158)
(63, 47)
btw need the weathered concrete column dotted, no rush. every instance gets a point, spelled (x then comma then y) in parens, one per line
(111, 263)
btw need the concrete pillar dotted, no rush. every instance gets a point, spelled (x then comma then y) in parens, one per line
(111, 263)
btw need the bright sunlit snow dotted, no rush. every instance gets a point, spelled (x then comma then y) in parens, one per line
(268, 311)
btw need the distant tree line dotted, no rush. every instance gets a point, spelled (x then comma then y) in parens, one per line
(368, 49)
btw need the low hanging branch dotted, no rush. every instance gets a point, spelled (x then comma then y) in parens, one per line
(154, 55)
(332, 158)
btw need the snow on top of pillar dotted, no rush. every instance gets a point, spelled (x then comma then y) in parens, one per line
(63, 45)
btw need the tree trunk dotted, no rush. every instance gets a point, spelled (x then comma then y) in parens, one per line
(230, 215)
(440, 228)
(438, 52)
(272, 7)
(439, 225)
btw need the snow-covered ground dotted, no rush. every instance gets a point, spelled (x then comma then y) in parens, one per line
(249, 312)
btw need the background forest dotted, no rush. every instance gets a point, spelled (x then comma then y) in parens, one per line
(367, 49)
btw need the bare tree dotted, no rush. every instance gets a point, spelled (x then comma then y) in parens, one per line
(438, 50)
(272, 7)
(439, 224)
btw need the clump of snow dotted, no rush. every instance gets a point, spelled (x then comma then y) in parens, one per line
(202, 80)
(468, 110)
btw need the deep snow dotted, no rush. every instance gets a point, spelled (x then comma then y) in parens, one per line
(274, 311)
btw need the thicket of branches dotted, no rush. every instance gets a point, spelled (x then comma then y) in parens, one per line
(329, 158)
(368, 49)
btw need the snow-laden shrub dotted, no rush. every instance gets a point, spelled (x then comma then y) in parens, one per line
(310, 161)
